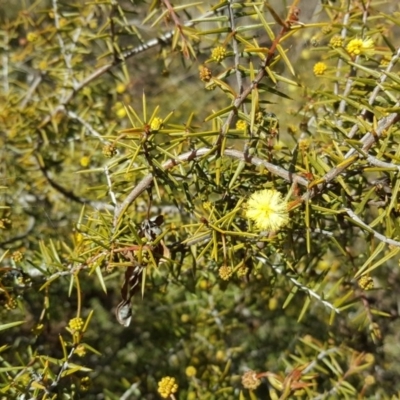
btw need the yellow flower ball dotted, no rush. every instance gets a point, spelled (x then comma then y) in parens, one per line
(76, 324)
(336, 41)
(167, 386)
(218, 54)
(84, 161)
(121, 113)
(190, 371)
(268, 210)
(358, 47)
(241, 125)
(32, 37)
(156, 124)
(120, 88)
(320, 68)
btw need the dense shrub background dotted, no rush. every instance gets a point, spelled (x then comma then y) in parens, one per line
(216, 101)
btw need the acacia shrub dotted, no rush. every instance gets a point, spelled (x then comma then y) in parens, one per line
(136, 138)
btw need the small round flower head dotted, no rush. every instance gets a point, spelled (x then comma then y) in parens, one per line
(190, 371)
(366, 282)
(32, 37)
(84, 161)
(241, 125)
(185, 318)
(167, 386)
(156, 124)
(319, 68)
(327, 29)
(250, 380)
(17, 256)
(109, 150)
(218, 54)
(384, 61)
(80, 351)
(205, 74)
(225, 272)
(121, 87)
(336, 41)
(268, 210)
(242, 271)
(76, 324)
(43, 65)
(369, 380)
(304, 144)
(369, 358)
(119, 109)
(358, 47)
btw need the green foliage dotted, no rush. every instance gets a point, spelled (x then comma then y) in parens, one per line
(199, 200)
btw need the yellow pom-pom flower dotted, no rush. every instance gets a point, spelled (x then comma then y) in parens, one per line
(121, 113)
(319, 68)
(205, 73)
(156, 124)
(268, 210)
(218, 54)
(85, 161)
(17, 256)
(225, 272)
(32, 37)
(167, 386)
(76, 324)
(336, 41)
(358, 47)
(384, 61)
(241, 125)
(43, 65)
(80, 350)
(190, 371)
(366, 282)
(109, 150)
(121, 87)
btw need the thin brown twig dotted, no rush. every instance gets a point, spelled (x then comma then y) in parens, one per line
(292, 17)
(68, 193)
(178, 26)
(235, 47)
